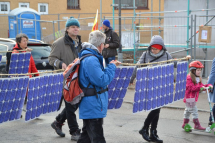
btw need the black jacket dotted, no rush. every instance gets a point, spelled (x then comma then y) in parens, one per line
(114, 42)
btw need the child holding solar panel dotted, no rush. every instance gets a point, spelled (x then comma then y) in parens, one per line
(193, 87)
(156, 52)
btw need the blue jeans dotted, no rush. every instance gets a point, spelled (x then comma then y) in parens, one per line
(108, 60)
(213, 110)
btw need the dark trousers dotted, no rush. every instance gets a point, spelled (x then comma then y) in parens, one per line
(108, 60)
(213, 110)
(69, 113)
(92, 131)
(152, 119)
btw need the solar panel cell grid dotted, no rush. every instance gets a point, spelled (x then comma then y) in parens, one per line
(12, 97)
(118, 87)
(44, 95)
(154, 87)
(19, 63)
(181, 80)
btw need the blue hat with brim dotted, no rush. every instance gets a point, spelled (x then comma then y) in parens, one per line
(72, 22)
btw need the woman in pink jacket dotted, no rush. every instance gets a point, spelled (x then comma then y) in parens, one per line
(193, 87)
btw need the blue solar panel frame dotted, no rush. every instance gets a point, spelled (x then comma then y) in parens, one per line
(19, 63)
(44, 95)
(12, 97)
(118, 87)
(154, 87)
(181, 78)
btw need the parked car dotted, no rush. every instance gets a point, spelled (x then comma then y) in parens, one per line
(40, 53)
(5, 44)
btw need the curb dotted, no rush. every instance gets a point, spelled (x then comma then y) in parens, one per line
(172, 107)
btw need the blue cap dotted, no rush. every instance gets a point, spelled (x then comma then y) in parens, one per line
(106, 23)
(72, 22)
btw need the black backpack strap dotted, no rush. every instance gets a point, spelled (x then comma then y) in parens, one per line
(167, 57)
(88, 55)
(92, 91)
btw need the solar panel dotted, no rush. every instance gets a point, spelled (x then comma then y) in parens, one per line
(44, 95)
(19, 63)
(181, 78)
(118, 87)
(154, 87)
(12, 97)
(0, 58)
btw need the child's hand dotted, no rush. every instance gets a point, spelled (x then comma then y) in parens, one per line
(203, 88)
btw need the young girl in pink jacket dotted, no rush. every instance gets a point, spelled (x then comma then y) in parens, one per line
(193, 87)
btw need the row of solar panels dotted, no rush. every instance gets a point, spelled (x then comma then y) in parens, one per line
(155, 86)
(43, 96)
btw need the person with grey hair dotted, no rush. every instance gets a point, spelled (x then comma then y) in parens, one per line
(94, 77)
(64, 51)
(21, 44)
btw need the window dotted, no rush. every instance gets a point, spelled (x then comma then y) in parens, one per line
(140, 4)
(5, 7)
(73, 4)
(24, 5)
(43, 8)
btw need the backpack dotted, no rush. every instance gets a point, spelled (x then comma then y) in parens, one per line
(73, 91)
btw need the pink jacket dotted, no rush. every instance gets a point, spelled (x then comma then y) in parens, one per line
(192, 91)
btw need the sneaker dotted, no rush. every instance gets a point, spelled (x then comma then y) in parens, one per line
(58, 128)
(75, 135)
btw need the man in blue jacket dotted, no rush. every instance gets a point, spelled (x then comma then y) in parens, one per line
(211, 81)
(93, 106)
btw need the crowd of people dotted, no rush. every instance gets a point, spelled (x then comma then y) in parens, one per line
(93, 75)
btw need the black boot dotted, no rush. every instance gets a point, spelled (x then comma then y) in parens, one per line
(58, 128)
(145, 133)
(154, 137)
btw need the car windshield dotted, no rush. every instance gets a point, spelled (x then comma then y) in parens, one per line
(40, 52)
(3, 48)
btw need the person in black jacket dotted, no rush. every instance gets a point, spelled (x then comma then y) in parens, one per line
(112, 42)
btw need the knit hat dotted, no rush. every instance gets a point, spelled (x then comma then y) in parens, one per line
(72, 22)
(159, 47)
(106, 23)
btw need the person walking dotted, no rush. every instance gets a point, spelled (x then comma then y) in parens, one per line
(64, 51)
(94, 77)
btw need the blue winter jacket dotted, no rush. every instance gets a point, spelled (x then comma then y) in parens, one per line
(212, 81)
(92, 71)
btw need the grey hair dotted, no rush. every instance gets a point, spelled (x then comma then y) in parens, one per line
(20, 36)
(96, 38)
